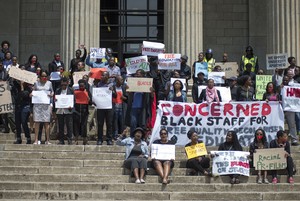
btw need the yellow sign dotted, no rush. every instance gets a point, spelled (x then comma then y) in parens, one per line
(196, 150)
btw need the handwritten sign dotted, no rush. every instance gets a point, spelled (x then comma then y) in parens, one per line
(137, 84)
(97, 53)
(201, 67)
(102, 97)
(231, 162)
(40, 97)
(6, 105)
(169, 61)
(291, 98)
(261, 83)
(163, 151)
(230, 68)
(64, 101)
(181, 79)
(152, 48)
(196, 150)
(135, 63)
(276, 61)
(224, 91)
(23, 75)
(217, 77)
(81, 97)
(269, 159)
(96, 73)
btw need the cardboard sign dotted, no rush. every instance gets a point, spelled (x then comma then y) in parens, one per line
(230, 162)
(135, 63)
(201, 67)
(163, 151)
(181, 79)
(169, 61)
(138, 84)
(97, 53)
(269, 159)
(152, 48)
(196, 150)
(6, 105)
(81, 97)
(102, 97)
(261, 83)
(217, 77)
(230, 68)
(291, 98)
(96, 73)
(224, 91)
(23, 75)
(40, 97)
(277, 61)
(64, 101)
(79, 75)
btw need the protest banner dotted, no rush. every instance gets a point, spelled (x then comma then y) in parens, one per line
(201, 67)
(163, 151)
(212, 121)
(224, 91)
(261, 83)
(6, 105)
(64, 101)
(269, 159)
(81, 97)
(138, 84)
(196, 150)
(181, 79)
(135, 63)
(276, 61)
(230, 68)
(291, 98)
(23, 75)
(230, 162)
(169, 61)
(40, 97)
(217, 77)
(97, 53)
(96, 73)
(102, 97)
(55, 76)
(152, 48)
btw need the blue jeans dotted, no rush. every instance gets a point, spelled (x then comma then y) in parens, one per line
(118, 120)
(136, 119)
(21, 119)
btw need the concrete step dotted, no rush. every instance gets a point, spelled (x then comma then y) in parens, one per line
(133, 195)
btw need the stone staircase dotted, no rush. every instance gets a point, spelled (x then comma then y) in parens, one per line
(70, 172)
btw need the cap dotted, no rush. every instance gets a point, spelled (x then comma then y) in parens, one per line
(184, 57)
(139, 129)
(209, 51)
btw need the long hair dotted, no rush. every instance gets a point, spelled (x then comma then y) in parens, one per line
(235, 141)
(264, 139)
(181, 85)
(274, 90)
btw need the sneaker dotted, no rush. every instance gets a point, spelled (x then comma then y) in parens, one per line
(259, 181)
(137, 181)
(274, 180)
(39, 142)
(142, 181)
(291, 180)
(47, 143)
(266, 181)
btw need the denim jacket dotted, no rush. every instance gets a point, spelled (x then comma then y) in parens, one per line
(129, 143)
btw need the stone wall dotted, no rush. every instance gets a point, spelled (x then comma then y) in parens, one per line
(40, 29)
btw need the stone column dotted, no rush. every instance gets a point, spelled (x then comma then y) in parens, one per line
(183, 32)
(284, 27)
(80, 25)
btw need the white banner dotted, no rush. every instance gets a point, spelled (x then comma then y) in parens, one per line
(217, 77)
(40, 97)
(212, 121)
(55, 76)
(135, 63)
(224, 91)
(64, 101)
(6, 105)
(276, 61)
(169, 61)
(181, 79)
(163, 151)
(230, 162)
(291, 98)
(97, 53)
(102, 96)
(152, 48)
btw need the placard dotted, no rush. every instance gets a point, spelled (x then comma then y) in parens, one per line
(163, 151)
(6, 105)
(40, 97)
(97, 53)
(169, 61)
(55, 76)
(224, 91)
(230, 162)
(152, 48)
(23, 75)
(138, 84)
(96, 73)
(291, 98)
(230, 68)
(269, 159)
(81, 97)
(181, 79)
(261, 83)
(102, 97)
(135, 63)
(201, 67)
(64, 101)
(217, 77)
(196, 150)
(276, 61)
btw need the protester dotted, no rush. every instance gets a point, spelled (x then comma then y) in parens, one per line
(5, 45)
(108, 55)
(209, 60)
(195, 89)
(231, 144)
(245, 91)
(248, 72)
(249, 57)
(232, 82)
(210, 93)
(200, 60)
(136, 154)
(112, 70)
(4, 116)
(277, 77)
(185, 70)
(270, 94)
(15, 64)
(55, 63)
(177, 94)
(259, 142)
(224, 57)
(7, 61)
(94, 64)
(292, 66)
(32, 64)
(74, 62)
